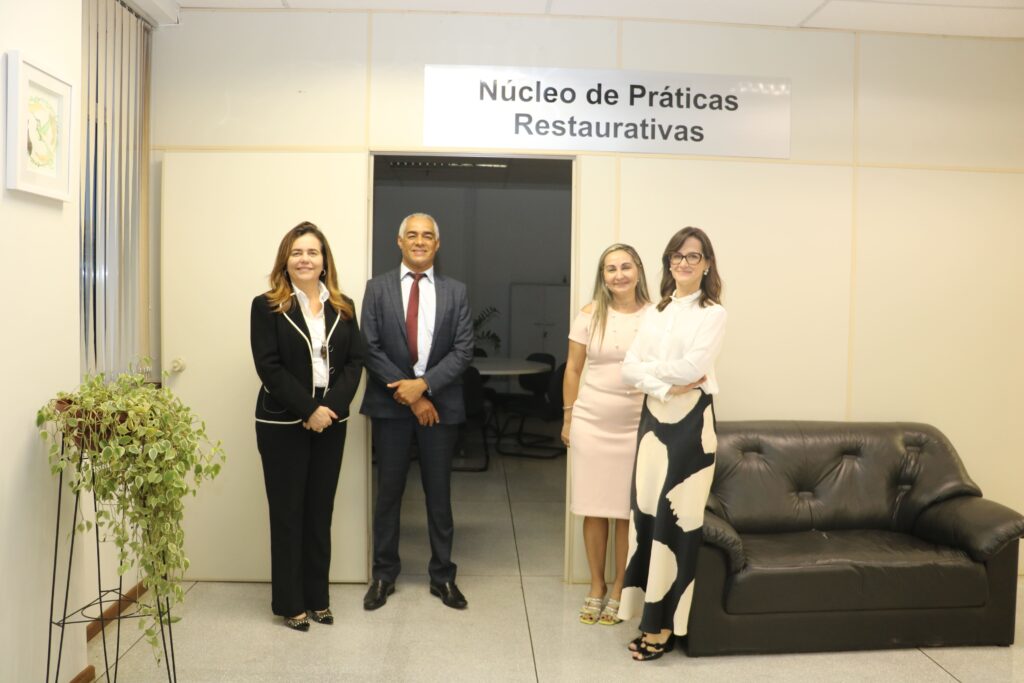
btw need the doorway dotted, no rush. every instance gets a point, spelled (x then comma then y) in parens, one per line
(505, 228)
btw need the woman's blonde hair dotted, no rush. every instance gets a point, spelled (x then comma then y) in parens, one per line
(280, 294)
(603, 295)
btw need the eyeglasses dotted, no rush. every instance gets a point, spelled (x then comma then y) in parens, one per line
(693, 258)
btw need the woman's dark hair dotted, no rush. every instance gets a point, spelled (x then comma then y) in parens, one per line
(710, 285)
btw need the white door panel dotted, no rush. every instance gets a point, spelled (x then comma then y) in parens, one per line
(223, 215)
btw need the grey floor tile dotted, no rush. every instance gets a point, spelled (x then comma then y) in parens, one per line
(486, 486)
(988, 664)
(540, 537)
(483, 543)
(536, 481)
(565, 649)
(229, 635)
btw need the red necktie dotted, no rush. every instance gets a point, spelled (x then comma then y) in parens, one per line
(412, 313)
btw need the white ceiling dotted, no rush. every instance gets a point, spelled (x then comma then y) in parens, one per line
(987, 18)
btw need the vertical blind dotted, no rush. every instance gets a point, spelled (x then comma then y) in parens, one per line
(115, 160)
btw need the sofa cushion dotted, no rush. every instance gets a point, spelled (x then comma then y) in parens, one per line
(815, 571)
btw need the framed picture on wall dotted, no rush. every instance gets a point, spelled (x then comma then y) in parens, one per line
(38, 130)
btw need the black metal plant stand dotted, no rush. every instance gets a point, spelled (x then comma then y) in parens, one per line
(94, 610)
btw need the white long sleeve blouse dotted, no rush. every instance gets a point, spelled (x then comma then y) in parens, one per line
(678, 345)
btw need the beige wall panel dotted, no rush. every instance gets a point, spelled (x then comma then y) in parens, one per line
(819, 64)
(40, 356)
(938, 315)
(597, 208)
(223, 217)
(260, 78)
(597, 214)
(941, 101)
(404, 43)
(782, 236)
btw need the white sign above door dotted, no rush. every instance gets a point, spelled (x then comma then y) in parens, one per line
(650, 112)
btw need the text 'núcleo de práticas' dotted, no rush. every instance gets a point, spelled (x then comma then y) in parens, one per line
(637, 95)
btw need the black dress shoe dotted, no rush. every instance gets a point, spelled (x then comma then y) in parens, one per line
(377, 594)
(450, 594)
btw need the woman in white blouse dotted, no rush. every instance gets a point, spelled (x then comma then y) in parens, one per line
(672, 361)
(309, 356)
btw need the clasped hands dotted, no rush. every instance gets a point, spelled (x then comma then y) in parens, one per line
(409, 392)
(683, 388)
(321, 419)
(674, 391)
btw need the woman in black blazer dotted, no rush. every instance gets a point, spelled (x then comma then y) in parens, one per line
(309, 357)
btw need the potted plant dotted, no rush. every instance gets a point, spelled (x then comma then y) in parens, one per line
(481, 334)
(139, 450)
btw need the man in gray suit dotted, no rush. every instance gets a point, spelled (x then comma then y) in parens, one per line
(419, 341)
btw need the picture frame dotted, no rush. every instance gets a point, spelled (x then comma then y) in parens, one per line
(38, 129)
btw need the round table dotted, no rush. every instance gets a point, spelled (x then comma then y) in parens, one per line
(508, 367)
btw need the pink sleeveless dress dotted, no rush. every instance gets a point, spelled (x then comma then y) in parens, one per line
(602, 435)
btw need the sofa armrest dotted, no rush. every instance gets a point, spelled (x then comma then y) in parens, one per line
(720, 533)
(978, 526)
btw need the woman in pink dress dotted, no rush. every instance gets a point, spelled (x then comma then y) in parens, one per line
(601, 418)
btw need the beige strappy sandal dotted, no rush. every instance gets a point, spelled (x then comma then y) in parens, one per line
(610, 613)
(591, 610)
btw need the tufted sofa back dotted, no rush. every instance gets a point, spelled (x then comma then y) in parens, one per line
(776, 476)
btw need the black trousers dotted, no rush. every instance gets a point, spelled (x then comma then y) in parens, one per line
(300, 471)
(392, 439)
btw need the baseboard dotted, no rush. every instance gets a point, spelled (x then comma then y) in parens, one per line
(110, 614)
(86, 675)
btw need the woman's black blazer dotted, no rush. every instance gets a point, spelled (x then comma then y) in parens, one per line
(283, 355)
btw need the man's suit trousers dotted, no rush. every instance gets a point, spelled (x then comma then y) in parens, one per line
(392, 439)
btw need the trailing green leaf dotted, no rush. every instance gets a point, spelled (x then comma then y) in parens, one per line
(139, 450)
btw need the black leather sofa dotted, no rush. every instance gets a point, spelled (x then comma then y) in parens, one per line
(849, 536)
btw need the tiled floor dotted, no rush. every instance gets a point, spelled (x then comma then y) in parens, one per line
(520, 626)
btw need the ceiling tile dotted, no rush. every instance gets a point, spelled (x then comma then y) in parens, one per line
(774, 13)
(911, 18)
(467, 6)
(232, 4)
(981, 4)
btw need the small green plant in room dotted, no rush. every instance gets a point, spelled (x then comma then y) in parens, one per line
(140, 451)
(482, 335)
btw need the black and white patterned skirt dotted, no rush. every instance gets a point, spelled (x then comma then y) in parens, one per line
(675, 464)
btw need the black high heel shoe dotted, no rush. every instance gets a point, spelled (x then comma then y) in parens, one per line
(321, 616)
(648, 650)
(635, 643)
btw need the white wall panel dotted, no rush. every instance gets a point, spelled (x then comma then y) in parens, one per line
(597, 227)
(938, 316)
(820, 66)
(782, 237)
(941, 101)
(223, 218)
(597, 212)
(260, 79)
(404, 43)
(40, 357)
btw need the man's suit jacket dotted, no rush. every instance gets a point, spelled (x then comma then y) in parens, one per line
(387, 347)
(283, 355)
